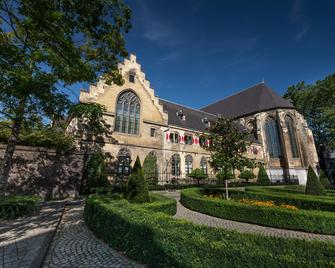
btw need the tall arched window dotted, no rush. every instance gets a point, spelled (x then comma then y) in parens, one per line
(128, 113)
(175, 165)
(188, 164)
(203, 165)
(123, 167)
(272, 138)
(292, 136)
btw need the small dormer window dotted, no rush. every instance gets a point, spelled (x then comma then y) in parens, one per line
(206, 122)
(131, 77)
(181, 115)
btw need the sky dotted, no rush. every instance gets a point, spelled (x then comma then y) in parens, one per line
(197, 52)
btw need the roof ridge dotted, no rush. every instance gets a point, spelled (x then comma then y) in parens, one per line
(194, 109)
(233, 94)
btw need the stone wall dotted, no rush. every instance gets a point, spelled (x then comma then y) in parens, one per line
(46, 172)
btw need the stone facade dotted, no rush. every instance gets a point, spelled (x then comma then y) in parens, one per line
(45, 172)
(155, 131)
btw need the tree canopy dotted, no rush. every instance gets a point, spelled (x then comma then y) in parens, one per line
(317, 103)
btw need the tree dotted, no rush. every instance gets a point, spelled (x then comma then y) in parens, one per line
(137, 188)
(45, 46)
(324, 179)
(316, 103)
(228, 145)
(198, 174)
(96, 172)
(313, 185)
(263, 178)
(150, 169)
(247, 175)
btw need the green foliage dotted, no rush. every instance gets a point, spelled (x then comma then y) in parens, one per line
(198, 174)
(18, 205)
(302, 201)
(305, 220)
(150, 169)
(313, 185)
(96, 172)
(137, 187)
(222, 176)
(263, 178)
(324, 179)
(42, 136)
(247, 175)
(159, 240)
(316, 103)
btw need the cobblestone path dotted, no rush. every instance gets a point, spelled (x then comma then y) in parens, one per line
(199, 218)
(74, 245)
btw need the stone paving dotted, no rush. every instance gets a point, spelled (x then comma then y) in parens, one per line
(199, 218)
(75, 245)
(24, 241)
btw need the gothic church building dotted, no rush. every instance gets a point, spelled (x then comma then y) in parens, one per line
(145, 125)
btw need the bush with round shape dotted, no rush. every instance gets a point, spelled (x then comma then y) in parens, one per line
(313, 185)
(247, 175)
(198, 174)
(137, 188)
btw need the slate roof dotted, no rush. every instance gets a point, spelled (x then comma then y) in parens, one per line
(252, 100)
(193, 117)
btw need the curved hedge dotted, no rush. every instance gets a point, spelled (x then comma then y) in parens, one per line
(18, 205)
(304, 220)
(160, 240)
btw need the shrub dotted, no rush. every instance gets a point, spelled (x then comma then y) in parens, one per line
(247, 175)
(305, 220)
(159, 240)
(324, 179)
(313, 185)
(18, 205)
(197, 174)
(221, 176)
(263, 178)
(137, 187)
(96, 172)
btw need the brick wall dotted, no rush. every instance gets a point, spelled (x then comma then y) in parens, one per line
(43, 171)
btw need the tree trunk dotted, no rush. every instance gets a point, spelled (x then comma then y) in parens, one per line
(12, 141)
(226, 187)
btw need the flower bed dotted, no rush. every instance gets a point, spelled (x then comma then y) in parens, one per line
(159, 240)
(305, 220)
(17, 206)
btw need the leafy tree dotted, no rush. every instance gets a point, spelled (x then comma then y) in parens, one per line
(324, 179)
(316, 103)
(45, 46)
(222, 177)
(137, 188)
(247, 175)
(150, 169)
(313, 185)
(198, 174)
(263, 178)
(228, 146)
(96, 172)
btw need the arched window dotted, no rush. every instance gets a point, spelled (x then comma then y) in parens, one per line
(272, 138)
(123, 167)
(128, 113)
(251, 125)
(203, 165)
(292, 136)
(188, 164)
(175, 165)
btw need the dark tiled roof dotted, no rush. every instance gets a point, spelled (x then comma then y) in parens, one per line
(193, 117)
(252, 100)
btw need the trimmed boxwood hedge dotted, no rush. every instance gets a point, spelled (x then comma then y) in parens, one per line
(159, 240)
(18, 205)
(302, 201)
(305, 220)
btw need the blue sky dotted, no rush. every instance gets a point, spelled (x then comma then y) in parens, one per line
(196, 52)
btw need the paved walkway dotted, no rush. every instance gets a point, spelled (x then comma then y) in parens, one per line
(199, 218)
(24, 241)
(75, 245)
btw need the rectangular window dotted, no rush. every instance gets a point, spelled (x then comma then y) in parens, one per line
(152, 132)
(131, 78)
(188, 139)
(174, 137)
